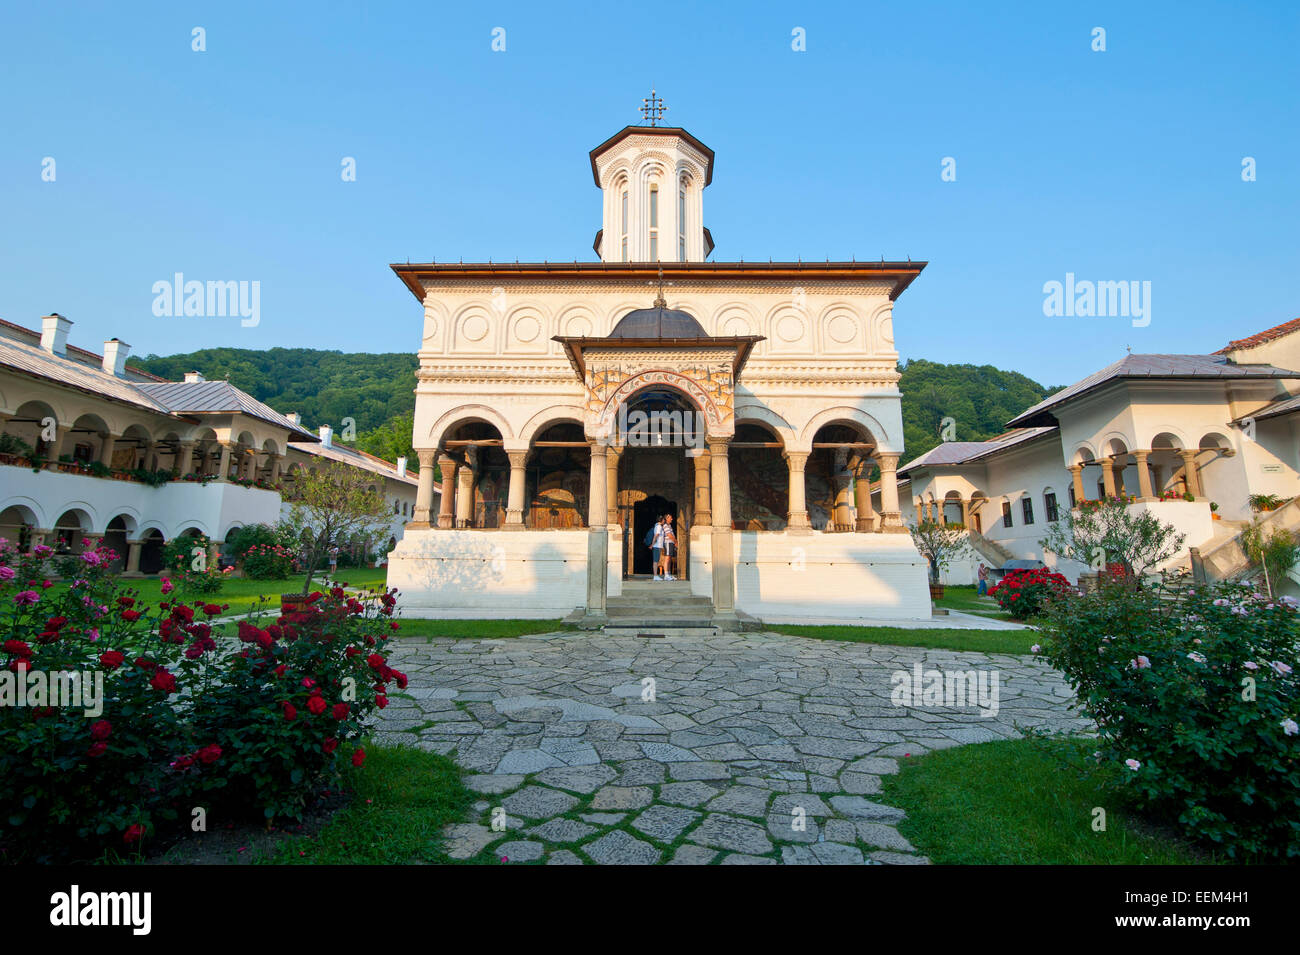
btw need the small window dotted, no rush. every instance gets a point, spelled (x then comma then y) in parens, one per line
(1073, 501)
(396, 507)
(624, 212)
(1027, 509)
(1006, 514)
(624, 248)
(654, 247)
(1049, 504)
(654, 207)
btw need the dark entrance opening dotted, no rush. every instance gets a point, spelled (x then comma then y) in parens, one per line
(644, 515)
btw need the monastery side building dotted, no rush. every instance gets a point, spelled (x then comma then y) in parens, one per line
(565, 407)
(94, 447)
(1191, 438)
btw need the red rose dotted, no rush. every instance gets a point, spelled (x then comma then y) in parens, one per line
(17, 648)
(340, 711)
(376, 660)
(55, 623)
(211, 609)
(279, 671)
(358, 757)
(101, 729)
(182, 612)
(97, 749)
(380, 700)
(317, 705)
(290, 711)
(162, 680)
(126, 601)
(130, 616)
(133, 834)
(330, 745)
(209, 754)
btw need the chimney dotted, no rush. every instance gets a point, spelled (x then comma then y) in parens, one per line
(327, 436)
(193, 378)
(54, 334)
(295, 418)
(401, 467)
(115, 353)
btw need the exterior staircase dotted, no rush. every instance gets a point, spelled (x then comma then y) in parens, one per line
(663, 608)
(1225, 559)
(993, 554)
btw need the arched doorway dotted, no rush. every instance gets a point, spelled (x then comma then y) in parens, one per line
(658, 436)
(151, 552)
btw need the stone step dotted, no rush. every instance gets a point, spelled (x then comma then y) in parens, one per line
(674, 603)
(664, 633)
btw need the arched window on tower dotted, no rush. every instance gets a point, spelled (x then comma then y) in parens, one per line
(681, 222)
(654, 223)
(624, 224)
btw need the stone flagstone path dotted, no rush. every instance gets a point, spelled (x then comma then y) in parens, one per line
(760, 748)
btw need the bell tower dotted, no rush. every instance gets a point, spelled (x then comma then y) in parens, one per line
(652, 178)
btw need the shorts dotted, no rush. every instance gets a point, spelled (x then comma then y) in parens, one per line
(655, 554)
(670, 550)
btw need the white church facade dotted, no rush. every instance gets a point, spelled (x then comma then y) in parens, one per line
(562, 407)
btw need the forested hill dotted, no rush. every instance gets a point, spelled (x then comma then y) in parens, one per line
(981, 399)
(377, 391)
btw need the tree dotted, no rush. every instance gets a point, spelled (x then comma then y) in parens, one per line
(1106, 532)
(338, 505)
(940, 543)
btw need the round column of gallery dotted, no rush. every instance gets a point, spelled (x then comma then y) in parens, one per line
(515, 492)
(891, 518)
(724, 557)
(424, 490)
(447, 503)
(597, 533)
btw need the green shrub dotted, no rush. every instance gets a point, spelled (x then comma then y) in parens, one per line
(1195, 697)
(253, 730)
(187, 558)
(1026, 593)
(268, 562)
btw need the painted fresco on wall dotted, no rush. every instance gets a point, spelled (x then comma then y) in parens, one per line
(760, 486)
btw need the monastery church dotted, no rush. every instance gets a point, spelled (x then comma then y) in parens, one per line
(565, 406)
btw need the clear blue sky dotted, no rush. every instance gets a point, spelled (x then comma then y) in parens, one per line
(225, 164)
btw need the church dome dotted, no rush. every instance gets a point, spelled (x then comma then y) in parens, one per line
(660, 321)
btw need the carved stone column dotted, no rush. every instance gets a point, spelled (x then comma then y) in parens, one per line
(724, 559)
(612, 456)
(892, 519)
(133, 558)
(866, 522)
(1191, 473)
(703, 496)
(797, 520)
(109, 442)
(1076, 476)
(1144, 476)
(465, 492)
(185, 458)
(424, 489)
(840, 478)
(965, 512)
(1108, 476)
(447, 504)
(597, 533)
(223, 468)
(515, 496)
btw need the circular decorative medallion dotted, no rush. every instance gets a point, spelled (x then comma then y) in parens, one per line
(578, 326)
(789, 328)
(736, 326)
(474, 328)
(527, 328)
(842, 329)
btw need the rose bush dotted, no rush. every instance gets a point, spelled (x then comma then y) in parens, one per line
(267, 562)
(1195, 695)
(190, 715)
(1026, 593)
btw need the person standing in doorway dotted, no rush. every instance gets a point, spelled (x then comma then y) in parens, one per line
(670, 547)
(657, 548)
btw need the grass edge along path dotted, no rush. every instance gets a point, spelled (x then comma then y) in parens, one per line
(982, 641)
(1025, 802)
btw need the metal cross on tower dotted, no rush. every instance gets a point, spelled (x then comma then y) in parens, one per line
(653, 108)
(660, 301)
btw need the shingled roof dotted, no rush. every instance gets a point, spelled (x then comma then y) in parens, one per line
(1170, 367)
(216, 397)
(967, 452)
(1260, 338)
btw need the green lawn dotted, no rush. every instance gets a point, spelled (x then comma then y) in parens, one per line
(401, 800)
(988, 641)
(967, 600)
(1024, 802)
(473, 629)
(243, 594)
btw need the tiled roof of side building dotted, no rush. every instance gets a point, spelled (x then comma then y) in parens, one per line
(1285, 405)
(967, 452)
(356, 458)
(35, 361)
(1184, 367)
(217, 397)
(1260, 338)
